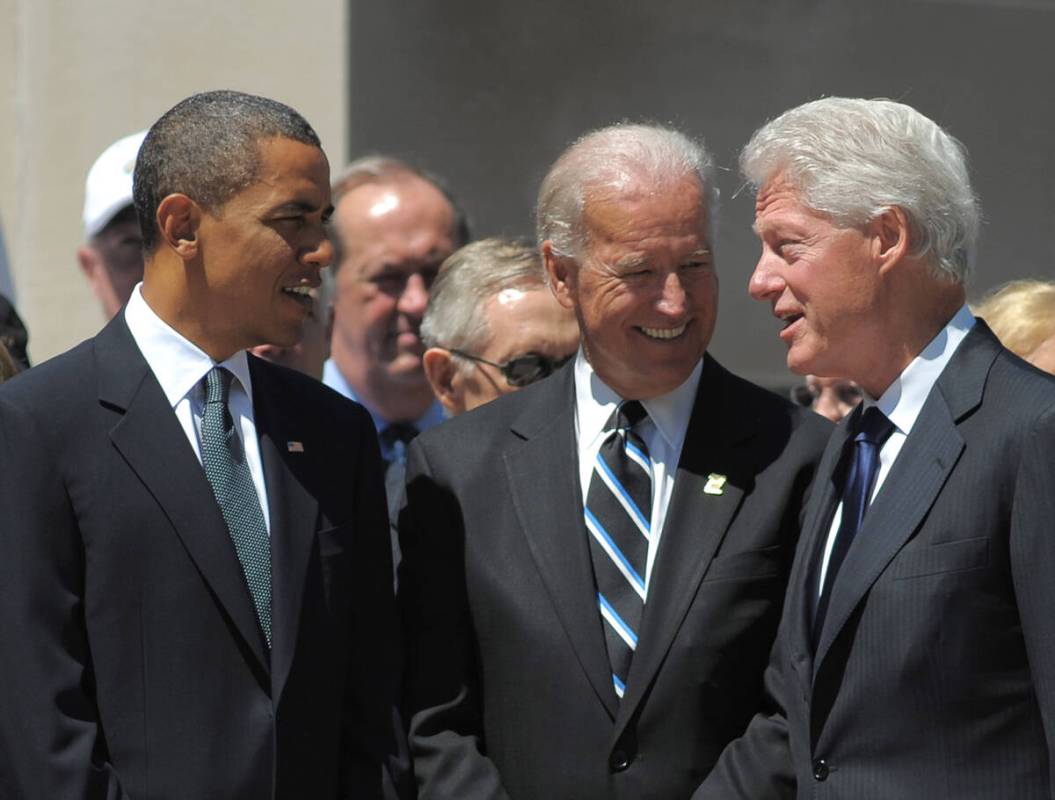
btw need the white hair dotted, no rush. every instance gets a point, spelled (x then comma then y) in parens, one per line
(471, 276)
(613, 158)
(853, 159)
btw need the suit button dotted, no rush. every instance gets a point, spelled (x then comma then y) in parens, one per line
(619, 761)
(820, 769)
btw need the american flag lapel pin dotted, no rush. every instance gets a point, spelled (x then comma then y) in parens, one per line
(294, 447)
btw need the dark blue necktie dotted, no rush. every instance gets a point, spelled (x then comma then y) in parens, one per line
(395, 438)
(223, 457)
(618, 514)
(873, 430)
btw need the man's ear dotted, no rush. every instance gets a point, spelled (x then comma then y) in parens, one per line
(178, 218)
(440, 370)
(560, 271)
(91, 263)
(891, 237)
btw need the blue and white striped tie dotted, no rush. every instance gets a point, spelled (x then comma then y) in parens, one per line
(618, 513)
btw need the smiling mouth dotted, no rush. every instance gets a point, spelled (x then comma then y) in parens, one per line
(301, 293)
(663, 333)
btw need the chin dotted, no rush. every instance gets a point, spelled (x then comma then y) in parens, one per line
(407, 369)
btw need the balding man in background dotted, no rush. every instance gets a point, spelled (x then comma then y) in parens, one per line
(594, 565)
(916, 655)
(392, 226)
(492, 325)
(111, 257)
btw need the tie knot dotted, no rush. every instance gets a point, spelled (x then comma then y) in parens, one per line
(398, 432)
(217, 385)
(628, 414)
(875, 427)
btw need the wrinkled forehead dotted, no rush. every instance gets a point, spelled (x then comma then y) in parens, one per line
(679, 208)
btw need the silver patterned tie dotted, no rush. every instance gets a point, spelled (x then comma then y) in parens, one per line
(223, 457)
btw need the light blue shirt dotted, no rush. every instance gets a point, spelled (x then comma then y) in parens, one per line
(332, 377)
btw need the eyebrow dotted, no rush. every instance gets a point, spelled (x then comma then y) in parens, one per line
(302, 207)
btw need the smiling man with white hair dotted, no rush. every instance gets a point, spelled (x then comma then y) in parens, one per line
(594, 565)
(916, 654)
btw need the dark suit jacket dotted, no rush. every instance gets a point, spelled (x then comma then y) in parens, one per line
(132, 663)
(934, 676)
(509, 687)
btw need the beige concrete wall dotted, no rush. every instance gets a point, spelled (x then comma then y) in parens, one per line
(76, 76)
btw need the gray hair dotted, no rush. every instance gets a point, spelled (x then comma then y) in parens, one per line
(470, 277)
(386, 169)
(207, 147)
(853, 159)
(612, 158)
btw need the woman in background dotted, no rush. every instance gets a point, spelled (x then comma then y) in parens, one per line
(1022, 315)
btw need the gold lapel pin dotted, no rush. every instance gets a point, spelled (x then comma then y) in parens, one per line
(715, 484)
(294, 447)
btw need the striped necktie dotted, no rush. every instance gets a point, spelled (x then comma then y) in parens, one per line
(223, 457)
(618, 513)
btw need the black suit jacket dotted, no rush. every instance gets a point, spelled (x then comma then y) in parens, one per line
(509, 688)
(132, 662)
(934, 675)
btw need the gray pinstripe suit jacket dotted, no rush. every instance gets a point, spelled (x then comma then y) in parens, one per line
(934, 675)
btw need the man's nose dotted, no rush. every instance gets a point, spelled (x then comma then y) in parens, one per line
(672, 301)
(765, 282)
(415, 296)
(321, 255)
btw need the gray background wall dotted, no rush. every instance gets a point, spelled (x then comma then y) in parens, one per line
(488, 93)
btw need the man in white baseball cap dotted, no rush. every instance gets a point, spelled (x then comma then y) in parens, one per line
(111, 256)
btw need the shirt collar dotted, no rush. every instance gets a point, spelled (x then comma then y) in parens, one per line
(177, 363)
(334, 378)
(904, 398)
(595, 401)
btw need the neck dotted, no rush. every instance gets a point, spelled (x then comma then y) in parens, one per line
(923, 314)
(168, 299)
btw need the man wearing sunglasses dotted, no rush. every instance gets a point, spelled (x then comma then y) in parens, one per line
(492, 325)
(594, 566)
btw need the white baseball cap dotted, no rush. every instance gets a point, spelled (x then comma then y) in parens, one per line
(108, 189)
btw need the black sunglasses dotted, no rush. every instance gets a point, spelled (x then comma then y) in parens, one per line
(847, 393)
(522, 370)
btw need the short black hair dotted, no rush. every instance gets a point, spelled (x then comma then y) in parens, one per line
(207, 147)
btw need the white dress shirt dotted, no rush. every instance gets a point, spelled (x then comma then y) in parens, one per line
(663, 432)
(179, 367)
(901, 403)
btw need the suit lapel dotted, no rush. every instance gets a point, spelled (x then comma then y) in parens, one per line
(922, 467)
(817, 518)
(695, 525)
(294, 515)
(543, 478)
(153, 443)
